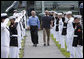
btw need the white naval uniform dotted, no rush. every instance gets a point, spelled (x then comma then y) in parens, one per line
(60, 31)
(22, 32)
(5, 39)
(19, 37)
(79, 51)
(15, 14)
(54, 29)
(14, 51)
(70, 33)
(57, 33)
(64, 37)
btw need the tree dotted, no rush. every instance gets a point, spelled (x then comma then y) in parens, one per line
(5, 5)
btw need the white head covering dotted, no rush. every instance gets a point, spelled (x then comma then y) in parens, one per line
(69, 12)
(55, 12)
(15, 10)
(52, 11)
(78, 16)
(12, 17)
(64, 12)
(3, 14)
(59, 13)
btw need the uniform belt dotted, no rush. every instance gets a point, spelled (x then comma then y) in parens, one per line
(14, 35)
(57, 24)
(75, 35)
(64, 27)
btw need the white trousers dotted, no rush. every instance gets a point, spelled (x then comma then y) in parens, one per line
(67, 45)
(57, 36)
(54, 34)
(60, 37)
(73, 55)
(70, 48)
(51, 31)
(63, 41)
(79, 52)
(19, 42)
(69, 42)
(14, 52)
(4, 52)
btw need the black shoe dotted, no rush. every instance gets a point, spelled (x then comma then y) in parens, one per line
(48, 44)
(35, 45)
(44, 44)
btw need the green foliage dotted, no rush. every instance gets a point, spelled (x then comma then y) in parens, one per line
(22, 49)
(5, 5)
(63, 51)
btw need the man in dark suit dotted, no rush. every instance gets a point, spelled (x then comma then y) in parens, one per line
(47, 22)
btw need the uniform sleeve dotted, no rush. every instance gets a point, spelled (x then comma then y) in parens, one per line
(3, 26)
(79, 30)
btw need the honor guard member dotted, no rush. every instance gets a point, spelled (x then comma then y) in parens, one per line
(53, 18)
(15, 13)
(5, 36)
(54, 32)
(55, 24)
(70, 31)
(64, 32)
(60, 27)
(57, 28)
(13, 38)
(77, 38)
(52, 14)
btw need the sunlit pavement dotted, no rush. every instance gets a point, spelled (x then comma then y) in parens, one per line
(41, 51)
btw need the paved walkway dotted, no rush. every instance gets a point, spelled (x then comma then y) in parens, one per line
(40, 51)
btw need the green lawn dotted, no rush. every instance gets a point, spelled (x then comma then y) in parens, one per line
(22, 49)
(63, 51)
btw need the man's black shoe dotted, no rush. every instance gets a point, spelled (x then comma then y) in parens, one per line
(44, 44)
(48, 44)
(35, 45)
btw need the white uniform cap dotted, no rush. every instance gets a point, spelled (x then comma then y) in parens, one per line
(55, 12)
(15, 10)
(69, 12)
(3, 14)
(64, 12)
(78, 16)
(59, 13)
(12, 17)
(51, 11)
